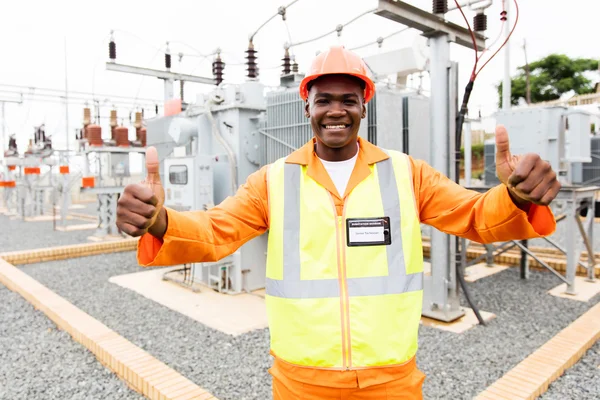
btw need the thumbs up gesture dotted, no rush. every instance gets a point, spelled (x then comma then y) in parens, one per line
(140, 207)
(529, 178)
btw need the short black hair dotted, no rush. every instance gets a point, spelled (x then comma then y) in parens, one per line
(362, 83)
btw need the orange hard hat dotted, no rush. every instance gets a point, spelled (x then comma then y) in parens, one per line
(338, 60)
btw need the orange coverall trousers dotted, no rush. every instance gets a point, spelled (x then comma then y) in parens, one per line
(407, 387)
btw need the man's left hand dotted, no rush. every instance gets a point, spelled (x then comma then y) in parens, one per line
(528, 178)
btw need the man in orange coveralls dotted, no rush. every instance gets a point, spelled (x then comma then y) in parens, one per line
(344, 267)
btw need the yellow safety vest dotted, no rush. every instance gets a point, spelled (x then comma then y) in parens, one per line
(336, 306)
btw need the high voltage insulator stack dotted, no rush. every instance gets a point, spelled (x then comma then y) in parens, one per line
(294, 66)
(251, 57)
(217, 67)
(121, 136)
(168, 58)
(286, 62)
(480, 22)
(112, 50)
(440, 6)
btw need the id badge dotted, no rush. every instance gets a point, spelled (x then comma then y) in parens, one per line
(368, 231)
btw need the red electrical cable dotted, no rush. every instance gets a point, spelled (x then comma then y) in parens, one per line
(494, 42)
(503, 44)
(473, 74)
(500, 32)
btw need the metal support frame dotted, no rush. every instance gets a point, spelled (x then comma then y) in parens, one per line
(174, 76)
(167, 76)
(107, 208)
(441, 293)
(427, 23)
(576, 199)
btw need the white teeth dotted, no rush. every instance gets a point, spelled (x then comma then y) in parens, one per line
(335, 126)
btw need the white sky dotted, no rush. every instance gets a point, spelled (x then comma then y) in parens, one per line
(33, 35)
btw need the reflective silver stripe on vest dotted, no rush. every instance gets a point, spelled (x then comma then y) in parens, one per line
(396, 282)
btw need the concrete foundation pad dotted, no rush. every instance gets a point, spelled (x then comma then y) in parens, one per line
(79, 227)
(44, 218)
(585, 290)
(426, 268)
(462, 324)
(72, 207)
(106, 238)
(231, 314)
(482, 270)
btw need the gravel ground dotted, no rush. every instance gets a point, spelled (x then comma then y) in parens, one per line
(526, 317)
(19, 235)
(37, 361)
(457, 366)
(231, 368)
(582, 381)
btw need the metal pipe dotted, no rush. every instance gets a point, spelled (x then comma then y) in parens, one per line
(217, 134)
(561, 249)
(588, 246)
(542, 263)
(481, 257)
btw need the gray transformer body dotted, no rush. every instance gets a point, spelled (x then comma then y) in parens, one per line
(400, 121)
(395, 120)
(221, 141)
(241, 123)
(559, 135)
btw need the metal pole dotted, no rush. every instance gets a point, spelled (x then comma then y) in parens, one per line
(467, 136)
(590, 235)
(524, 261)
(2, 131)
(66, 102)
(506, 85)
(571, 247)
(168, 89)
(440, 134)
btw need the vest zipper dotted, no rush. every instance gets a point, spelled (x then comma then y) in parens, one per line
(343, 294)
(344, 297)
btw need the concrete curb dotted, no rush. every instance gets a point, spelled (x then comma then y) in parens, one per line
(69, 251)
(531, 377)
(140, 370)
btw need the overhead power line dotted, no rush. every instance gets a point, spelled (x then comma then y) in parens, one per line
(281, 11)
(381, 39)
(339, 28)
(93, 96)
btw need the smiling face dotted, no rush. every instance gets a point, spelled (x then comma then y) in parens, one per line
(335, 107)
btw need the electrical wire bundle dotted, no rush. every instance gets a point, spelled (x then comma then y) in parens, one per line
(461, 118)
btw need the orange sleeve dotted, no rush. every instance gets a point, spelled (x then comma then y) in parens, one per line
(482, 217)
(203, 236)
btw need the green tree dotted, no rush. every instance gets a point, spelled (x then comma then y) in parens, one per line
(550, 77)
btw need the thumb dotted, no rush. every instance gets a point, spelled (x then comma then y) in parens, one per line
(502, 145)
(152, 165)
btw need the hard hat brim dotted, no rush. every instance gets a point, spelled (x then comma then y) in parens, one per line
(369, 85)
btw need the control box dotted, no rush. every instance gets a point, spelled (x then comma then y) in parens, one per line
(188, 182)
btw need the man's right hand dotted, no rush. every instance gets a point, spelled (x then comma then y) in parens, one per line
(140, 207)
